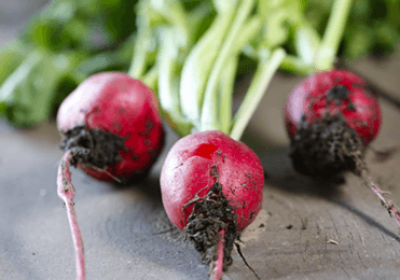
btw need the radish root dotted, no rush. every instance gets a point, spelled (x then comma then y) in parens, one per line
(66, 192)
(363, 173)
(239, 251)
(218, 265)
(212, 228)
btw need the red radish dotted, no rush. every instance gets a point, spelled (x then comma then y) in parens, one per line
(112, 125)
(112, 130)
(331, 117)
(212, 188)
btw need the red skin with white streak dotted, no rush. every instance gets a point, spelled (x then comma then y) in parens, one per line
(119, 104)
(309, 98)
(187, 172)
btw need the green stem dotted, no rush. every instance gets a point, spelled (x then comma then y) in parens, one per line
(168, 81)
(210, 111)
(227, 80)
(333, 35)
(227, 86)
(151, 77)
(199, 63)
(175, 14)
(140, 53)
(261, 80)
(295, 65)
(221, 5)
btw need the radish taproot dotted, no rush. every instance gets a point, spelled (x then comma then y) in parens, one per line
(112, 130)
(212, 188)
(331, 117)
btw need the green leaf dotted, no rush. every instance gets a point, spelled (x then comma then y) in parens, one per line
(117, 60)
(359, 41)
(27, 95)
(11, 56)
(81, 24)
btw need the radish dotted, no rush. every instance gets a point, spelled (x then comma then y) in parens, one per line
(212, 184)
(331, 117)
(112, 130)
(212, 188)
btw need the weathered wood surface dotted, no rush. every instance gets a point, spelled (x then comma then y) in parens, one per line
(307, 230)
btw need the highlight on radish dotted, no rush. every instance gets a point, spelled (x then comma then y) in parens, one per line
(112, 130)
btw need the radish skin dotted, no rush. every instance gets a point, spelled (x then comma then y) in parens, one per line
(122, 106)
(187, 172)
(209, 170)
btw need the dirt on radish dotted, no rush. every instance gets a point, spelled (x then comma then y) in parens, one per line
(111, 126)
(95, 146)
(331, 117)
(212, 188)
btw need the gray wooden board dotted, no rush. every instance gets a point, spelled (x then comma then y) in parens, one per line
(128, 236)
